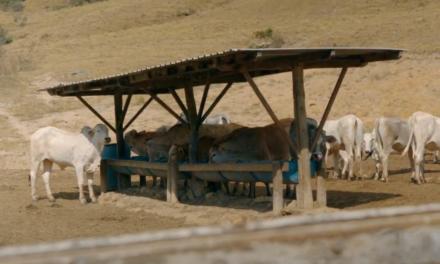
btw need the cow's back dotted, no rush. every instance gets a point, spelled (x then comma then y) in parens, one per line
(59, 146)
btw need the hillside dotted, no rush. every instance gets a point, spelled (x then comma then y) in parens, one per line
(52, 42)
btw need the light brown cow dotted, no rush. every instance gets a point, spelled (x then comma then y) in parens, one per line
(264, 143)
(159, 146)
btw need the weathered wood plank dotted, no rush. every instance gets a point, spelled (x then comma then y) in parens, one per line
(103, 171)
(321, 190)
(305, 195)
(233, 167)
(173, 176)
(124, 181)
(138, 164)
(277, 183)
(145, 105)
(329, 106)
(98, 115)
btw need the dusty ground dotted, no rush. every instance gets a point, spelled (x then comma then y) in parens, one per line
(52, 44)
(27, 222)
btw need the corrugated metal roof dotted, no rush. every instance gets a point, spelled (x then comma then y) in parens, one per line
(222, 67)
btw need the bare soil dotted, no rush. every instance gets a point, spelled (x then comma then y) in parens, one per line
(144, 209)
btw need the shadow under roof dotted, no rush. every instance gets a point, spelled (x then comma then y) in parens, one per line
(222, 67)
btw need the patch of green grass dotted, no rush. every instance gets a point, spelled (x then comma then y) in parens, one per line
(12, 5)
(4, 37)
(266, 38)
(82, 2)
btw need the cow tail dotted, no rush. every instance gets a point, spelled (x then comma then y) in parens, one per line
(377, 136)
(411, 141)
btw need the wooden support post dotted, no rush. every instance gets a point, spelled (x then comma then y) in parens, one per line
(96, 113)
(193, 122)
(203, 101)
(216, 101)
(269, 110)
(167, 108)
(277, 183)
(124, 181)
(179, 102)
(103, 175)
(145, 105)
(321, 191)
(126, 105)
(304, 194)
(329, 106)
(173, 176)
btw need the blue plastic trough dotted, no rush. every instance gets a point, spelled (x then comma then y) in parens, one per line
(110, 151)
(290, 176)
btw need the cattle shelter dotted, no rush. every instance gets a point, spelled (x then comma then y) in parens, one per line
(227, 67)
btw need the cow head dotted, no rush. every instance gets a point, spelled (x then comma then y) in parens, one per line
(367, 145)
(318, 152)
(99, 136)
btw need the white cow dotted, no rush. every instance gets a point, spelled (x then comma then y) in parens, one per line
(390, 134)
(424, 134)
(218, 119)
(344, 140)
(80, 150)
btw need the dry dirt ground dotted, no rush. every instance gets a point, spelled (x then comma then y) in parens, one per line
(144, 209)
(53, 43)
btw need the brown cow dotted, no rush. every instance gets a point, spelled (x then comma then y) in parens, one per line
(159, 146)
(264, 143)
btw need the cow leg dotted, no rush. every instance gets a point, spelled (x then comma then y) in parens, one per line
(346, 164)
(336, 167)
(80, 179)
(418, 167)
(33, 179)
(162, 182)
(235, 188)
(154, 182)
(411, 162)
(287, 192)
(252, 190)
(385, 169)
(268, 193)
(226, 186)
(142, 180)
(377, 167)
(47, 168)
(90, 185)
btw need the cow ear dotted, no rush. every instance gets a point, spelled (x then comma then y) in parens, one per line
(91, 133)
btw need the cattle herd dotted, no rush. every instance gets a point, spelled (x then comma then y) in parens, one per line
(343, 143)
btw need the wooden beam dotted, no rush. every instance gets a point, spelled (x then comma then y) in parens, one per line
(103, 169)
(173, 176)
(203, 101)
(167, 108)
(304, 195)
(124, 181)
(277, 183)
(145, 105)
(138, 164)
(269, 110)
(329, 106)
(321, 190)
(193, 122)
(216, 101)
(231, 167)
(179, 102)
(126, 105)
(96, 113)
